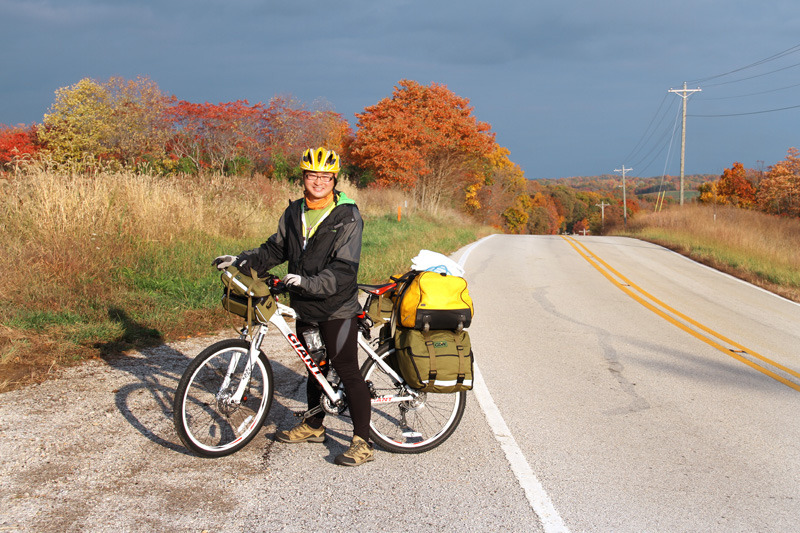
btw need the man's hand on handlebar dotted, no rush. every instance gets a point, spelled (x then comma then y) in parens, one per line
(224, 261)
(293, 280)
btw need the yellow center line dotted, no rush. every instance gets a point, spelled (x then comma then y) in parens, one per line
(596, 261)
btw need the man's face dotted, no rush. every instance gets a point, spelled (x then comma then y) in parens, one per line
(318, 184)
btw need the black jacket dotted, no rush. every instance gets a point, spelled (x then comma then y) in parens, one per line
(328, 266)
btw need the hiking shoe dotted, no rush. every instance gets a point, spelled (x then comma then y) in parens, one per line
(301, 433)
(359, 452)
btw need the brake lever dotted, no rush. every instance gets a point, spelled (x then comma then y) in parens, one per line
(277, 285)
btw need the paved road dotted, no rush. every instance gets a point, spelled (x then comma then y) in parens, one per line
(629, 422)
(626, 421)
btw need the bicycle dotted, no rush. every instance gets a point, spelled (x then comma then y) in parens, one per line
(225, 394)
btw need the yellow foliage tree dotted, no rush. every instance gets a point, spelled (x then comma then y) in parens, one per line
(119, 120)
(75, 129)
(498, 187)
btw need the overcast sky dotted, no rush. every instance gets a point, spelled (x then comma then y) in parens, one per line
(571, 88)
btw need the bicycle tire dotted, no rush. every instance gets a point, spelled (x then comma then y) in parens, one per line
(411, 426)
(204, 421)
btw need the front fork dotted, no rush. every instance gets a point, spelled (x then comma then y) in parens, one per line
(252, 355)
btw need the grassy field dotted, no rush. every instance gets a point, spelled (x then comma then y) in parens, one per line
(761, 249)
(96, 265)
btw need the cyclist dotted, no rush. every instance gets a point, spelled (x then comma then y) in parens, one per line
(320, 236)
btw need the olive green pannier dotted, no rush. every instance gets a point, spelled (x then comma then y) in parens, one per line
(380, 308)
(247, 296)
(435, 361)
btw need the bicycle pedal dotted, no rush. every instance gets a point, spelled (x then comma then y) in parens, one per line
(299, 414)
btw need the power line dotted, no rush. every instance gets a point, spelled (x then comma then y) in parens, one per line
(656, 123)
(750, 113)
(751, 77)
(773, 57)
(663, 145)
(705, 99)
(636, 147)
(660, 145)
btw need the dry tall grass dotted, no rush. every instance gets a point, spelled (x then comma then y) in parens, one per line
(97, 263)
(760, 248)
(58, 228)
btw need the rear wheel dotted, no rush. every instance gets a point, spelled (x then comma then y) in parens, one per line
(415, 425)
(208, 422)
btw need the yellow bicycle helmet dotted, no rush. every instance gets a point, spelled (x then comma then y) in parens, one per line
(320, 160)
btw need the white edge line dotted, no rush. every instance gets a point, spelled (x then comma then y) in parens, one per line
(534, 491)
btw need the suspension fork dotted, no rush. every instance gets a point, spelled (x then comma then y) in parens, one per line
(252, 356)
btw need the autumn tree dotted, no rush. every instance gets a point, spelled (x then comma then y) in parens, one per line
(580, 226)
(139, 127)
(423, 138)
(118, 120)
(495, 188)
(213, 135)
(779, 191)
(515, 216)
(708, 193)
(734, 188)
(292, 127)
(76, 128)
(17, 144)
(543, 218)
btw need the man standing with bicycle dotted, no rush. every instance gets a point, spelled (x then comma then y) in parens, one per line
(320, 236)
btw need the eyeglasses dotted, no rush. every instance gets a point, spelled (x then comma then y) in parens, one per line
(324, 178)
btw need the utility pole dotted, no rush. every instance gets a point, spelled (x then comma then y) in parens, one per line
(624, 196)
(683, 93)
(602, 205)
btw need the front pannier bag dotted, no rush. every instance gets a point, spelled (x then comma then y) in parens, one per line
(246, 296)
(434, 361)
(432, 300)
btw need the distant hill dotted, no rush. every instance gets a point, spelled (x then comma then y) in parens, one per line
(634, 184)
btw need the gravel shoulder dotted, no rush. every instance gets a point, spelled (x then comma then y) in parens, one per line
(94, 450)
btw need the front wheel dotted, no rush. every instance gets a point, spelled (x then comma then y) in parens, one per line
(206, 418)
(415, 425)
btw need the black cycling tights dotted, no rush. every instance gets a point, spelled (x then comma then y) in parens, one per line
(341, 343)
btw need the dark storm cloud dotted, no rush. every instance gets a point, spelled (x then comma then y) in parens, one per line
(567, 86)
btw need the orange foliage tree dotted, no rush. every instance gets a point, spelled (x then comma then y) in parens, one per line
(734, 188)
(423, 138)
(544, 218)
(779, 191)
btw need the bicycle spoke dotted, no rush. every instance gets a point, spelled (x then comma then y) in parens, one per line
(206, 417)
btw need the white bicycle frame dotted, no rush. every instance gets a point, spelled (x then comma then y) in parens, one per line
(279, 321)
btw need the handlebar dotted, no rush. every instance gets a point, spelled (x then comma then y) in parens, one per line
(273, 283)
(276, 286)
